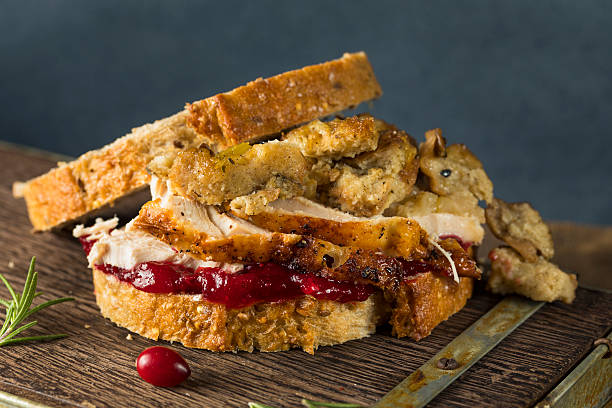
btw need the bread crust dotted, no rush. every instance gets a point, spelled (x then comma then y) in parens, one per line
(303, 322)
(100, 177)
(268, 106)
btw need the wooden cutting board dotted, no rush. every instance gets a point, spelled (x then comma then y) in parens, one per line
(95, 365)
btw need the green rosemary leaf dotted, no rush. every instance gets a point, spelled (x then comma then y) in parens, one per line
(317, 404)
(7, 318)
(10, 288)
(18, 308)
(258, 405)
(10, 334)
(46, 337)
(29, 289)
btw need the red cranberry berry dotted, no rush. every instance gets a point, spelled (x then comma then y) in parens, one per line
(162, 367)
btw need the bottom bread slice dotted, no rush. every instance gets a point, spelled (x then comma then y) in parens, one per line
(303, 322)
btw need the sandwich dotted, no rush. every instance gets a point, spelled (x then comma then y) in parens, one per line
(271, 225)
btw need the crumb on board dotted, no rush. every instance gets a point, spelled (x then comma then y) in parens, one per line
(11, 264)
(87, 326)
(129, 336)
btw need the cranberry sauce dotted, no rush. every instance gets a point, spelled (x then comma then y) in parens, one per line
(86, 244)
(256, 283)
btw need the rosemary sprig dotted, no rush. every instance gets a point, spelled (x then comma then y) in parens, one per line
(18, 310)
(311, 404)
(316, 404)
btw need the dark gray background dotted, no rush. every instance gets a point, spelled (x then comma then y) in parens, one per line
(525, 84)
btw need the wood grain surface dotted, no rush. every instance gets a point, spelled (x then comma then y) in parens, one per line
(95, 365)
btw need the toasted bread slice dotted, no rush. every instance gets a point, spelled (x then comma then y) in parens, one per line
(267, 106)
(304, 322)
(99, 178)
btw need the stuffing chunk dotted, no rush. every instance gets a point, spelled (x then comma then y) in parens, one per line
(371, 182)
(453, 168)
(395, 148)
(337, 138)
(540, 280)
(241, 170)
(521, 227)
(367, 195)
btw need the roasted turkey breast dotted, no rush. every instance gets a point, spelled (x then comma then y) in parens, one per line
(231, 241)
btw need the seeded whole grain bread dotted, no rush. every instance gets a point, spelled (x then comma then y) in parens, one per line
(100, 178)
(267, 106)
(304, 322)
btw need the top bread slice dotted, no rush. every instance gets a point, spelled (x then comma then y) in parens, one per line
(97, 179)
(267, 106)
